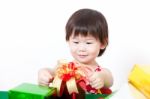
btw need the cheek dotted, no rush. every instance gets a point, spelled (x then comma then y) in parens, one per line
(72, 48)
(94, 50)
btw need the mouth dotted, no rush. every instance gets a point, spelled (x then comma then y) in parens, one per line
(82, 56)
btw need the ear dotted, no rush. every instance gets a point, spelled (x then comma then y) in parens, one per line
(102, 46)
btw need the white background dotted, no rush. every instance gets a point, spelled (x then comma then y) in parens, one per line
(32, 36)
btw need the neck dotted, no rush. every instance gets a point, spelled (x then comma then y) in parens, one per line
(94, 63)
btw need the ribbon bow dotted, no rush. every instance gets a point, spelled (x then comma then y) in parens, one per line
(69, 73)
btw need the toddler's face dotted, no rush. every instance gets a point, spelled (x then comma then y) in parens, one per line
(84, 49)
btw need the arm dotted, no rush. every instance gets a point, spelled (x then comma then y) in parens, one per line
(46, 75)
(108, 79)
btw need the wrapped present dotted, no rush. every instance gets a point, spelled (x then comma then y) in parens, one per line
(3, 95)
(71, 82)
(66, 95)
(96, 96)
(135, 92)
(140, 78)
(32, 91)
(99, 96)
(68, 80)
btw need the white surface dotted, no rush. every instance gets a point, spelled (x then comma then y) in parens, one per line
(29, 38)
(128, 91)
(123, 93)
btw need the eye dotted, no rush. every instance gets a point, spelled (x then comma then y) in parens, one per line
(76, 42)
(88, 42)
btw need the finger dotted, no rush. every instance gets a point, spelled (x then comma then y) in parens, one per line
(46, 78)
(93, 77)
(97, 86)
(47, 74)
(94, 81)
(43, 83)
(100, 85)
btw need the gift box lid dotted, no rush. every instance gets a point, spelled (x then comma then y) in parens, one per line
(33, 89)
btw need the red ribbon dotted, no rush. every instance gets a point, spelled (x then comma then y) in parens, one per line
(69, 73)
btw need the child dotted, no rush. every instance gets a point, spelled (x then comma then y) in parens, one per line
(87, 36)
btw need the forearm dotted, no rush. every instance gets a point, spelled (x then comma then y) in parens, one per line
(108, 79)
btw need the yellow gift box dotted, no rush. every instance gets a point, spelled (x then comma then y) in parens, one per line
(136, 93)
(140, 78)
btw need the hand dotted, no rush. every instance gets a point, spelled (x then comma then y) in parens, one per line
(44, 77)
(96, 79)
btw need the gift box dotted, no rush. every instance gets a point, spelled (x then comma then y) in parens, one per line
(136, 93)
(140, 78)
(66, 95)
(96, 96)
(99, 96)
(32, 91)
(71, 82)
(3, 95)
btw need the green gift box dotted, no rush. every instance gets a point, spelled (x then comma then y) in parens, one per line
(3, 95)
(32, 91)
(99, 96)
(96, 96)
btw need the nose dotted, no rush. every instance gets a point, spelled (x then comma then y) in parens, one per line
(82, 47)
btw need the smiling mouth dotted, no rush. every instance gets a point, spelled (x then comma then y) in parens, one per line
(82, 56)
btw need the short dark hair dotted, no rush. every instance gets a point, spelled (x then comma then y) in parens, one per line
(88, 22)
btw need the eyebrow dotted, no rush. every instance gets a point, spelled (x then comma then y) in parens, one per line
(87, 38)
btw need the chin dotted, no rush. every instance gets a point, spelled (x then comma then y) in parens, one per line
(83, 61)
